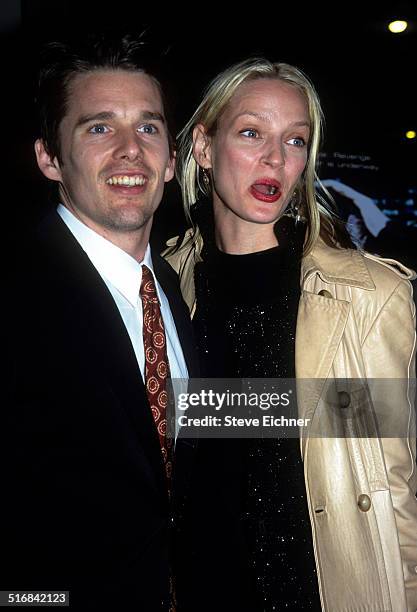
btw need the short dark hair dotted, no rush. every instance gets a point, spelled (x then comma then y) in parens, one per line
(61, 62)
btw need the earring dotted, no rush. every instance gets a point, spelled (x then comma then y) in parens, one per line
(206, 178)
(293, 209)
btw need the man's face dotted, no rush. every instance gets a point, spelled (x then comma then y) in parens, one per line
(115, 155)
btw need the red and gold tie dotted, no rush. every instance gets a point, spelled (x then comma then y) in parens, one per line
(156, 363)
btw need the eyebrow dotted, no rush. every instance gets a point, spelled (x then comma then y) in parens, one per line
(264, 117)
(108, 115)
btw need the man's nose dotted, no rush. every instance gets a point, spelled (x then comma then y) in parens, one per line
(128, 145)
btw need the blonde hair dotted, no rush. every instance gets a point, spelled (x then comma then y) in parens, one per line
(313, 206)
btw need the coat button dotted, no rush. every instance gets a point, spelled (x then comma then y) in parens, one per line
(325, 293)
(364, 502)
(344, 399)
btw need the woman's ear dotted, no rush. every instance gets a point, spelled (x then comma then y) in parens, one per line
(202, 146)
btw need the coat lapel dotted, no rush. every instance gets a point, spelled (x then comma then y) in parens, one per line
(322, 317)
(320, 324)
(325, 275)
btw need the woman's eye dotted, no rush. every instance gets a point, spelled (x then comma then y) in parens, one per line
(148, 128)
(99, 129)
(249, 133)
(298, 142)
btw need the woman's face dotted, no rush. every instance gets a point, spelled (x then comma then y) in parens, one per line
(258, 152)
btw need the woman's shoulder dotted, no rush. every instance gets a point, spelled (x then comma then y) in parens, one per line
(357, 268)
(369, 283)
(387, 268)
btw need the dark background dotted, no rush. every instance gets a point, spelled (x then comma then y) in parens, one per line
(365, 76)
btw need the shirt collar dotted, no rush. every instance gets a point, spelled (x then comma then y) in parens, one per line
(113, 264)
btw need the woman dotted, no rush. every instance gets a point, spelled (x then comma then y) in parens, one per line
(254, 512)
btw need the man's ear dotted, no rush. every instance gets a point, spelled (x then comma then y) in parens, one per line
(48, 166)
(170, 169)
(202, 146)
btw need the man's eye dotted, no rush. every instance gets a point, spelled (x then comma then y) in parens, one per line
(99, 129)
(249, 133)
(298, 142)
(148, 128)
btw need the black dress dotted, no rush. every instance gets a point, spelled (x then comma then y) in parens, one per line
(257, 551)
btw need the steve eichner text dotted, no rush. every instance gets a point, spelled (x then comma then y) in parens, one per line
(220, 400)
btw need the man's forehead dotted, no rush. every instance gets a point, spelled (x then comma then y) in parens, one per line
(113, 88)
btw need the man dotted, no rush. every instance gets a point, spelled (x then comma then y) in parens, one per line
(87, 458)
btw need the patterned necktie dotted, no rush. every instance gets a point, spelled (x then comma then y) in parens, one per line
(156, 363)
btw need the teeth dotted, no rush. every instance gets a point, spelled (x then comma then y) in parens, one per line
(272, 190)
(126, 181)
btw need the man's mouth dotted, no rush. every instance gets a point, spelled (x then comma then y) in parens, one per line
(126, 181)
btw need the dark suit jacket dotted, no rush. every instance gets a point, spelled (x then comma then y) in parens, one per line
(86, 506)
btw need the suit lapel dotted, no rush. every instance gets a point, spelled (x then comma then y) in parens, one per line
(89, 306)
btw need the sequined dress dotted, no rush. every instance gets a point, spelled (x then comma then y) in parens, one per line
(245, 326)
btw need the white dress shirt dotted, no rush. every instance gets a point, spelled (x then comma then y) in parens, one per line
(123, 275)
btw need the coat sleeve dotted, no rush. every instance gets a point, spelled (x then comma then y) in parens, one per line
(389, 352)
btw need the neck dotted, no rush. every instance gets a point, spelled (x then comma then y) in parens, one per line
(239, 237)
(134, 242)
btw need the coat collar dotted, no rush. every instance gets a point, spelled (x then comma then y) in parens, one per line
(340, 266)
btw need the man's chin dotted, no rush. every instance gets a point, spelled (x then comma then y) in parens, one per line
(128, 220)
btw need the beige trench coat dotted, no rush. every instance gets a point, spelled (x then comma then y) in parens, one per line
(356, 320)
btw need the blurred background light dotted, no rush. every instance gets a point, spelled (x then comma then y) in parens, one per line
(397, 26)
